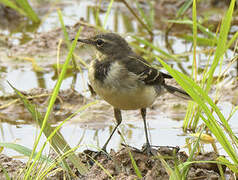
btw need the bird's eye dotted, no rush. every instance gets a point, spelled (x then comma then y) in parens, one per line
(99, 42)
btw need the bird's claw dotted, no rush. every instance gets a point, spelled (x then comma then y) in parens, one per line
(146, 148)
(102, 151)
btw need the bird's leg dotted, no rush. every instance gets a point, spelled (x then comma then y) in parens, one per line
(147, 145)
(117, 115)
(93, 93)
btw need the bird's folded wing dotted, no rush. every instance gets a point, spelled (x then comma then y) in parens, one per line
(144, 71)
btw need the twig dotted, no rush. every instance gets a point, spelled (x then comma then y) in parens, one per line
(138, 18)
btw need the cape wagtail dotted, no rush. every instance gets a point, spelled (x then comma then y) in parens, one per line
(124, 79)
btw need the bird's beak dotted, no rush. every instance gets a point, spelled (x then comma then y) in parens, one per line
(86, 41)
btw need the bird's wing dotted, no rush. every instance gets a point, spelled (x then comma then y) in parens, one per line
(144, 71)
(150, 75)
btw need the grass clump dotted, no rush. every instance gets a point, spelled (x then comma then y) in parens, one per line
(22, 7)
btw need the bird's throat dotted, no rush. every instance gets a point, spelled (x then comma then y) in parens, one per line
(100, 56)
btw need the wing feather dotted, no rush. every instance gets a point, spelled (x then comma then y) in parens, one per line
(144, 71)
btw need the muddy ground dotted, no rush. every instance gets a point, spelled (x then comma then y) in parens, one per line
(152, 167)
(119, 163)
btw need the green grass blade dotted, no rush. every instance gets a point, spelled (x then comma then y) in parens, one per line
(28, 10)
(137, 171)
(82, 170)
(107, 13)
(152, 13)
(202, 99)
(66, 36)
(194, 66)
(25, 9)
(12, 5)
(202, 41)
(7, 177)
(156, 48)
(96, 14)
(222, 41)
(173, 175)
(147, 19)
(137, 17)
(203, 29)
(225, 161)
(189, 114)
(190, 158)
(62, 145)
(128, 24)
(232, 40)
(184, 8)
(47, 130)
(23, 150)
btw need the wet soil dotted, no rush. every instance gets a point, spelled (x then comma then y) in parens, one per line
(10, 167)
(151, 167)
(11, 107)
(119, 165)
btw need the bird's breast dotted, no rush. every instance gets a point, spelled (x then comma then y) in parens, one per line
(121, 88)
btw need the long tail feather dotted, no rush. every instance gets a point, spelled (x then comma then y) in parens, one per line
(177, 91)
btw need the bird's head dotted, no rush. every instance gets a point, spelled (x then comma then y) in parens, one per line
(109, 44)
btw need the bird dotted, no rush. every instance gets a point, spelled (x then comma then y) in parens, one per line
(124, 79)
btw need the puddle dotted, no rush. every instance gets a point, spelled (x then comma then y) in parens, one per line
(25, 79)
(162, 132)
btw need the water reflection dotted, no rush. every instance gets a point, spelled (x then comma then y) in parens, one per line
(163, 133)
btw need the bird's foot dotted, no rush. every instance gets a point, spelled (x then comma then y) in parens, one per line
(147, 148)
(99, 153)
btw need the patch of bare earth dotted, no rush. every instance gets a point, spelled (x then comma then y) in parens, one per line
(10, 166)
(119, 165)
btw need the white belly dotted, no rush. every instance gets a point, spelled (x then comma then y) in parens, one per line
(123, 90)
(128, 100)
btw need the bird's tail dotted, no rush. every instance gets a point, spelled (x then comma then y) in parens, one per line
(176, 91)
